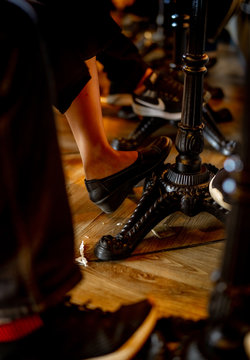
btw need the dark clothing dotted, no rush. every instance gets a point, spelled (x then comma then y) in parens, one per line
(123, 63)
(37, 243)
(73, 34)
(79, 32)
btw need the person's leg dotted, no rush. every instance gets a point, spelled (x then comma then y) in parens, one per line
(80, 102)
(125, 69)
(34, 212)
(110, 174)
(85, 119)
(37, 266)
(123, 64)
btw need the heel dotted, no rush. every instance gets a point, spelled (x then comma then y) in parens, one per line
(111, 202)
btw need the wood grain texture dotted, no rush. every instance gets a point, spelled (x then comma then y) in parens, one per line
(174, 263)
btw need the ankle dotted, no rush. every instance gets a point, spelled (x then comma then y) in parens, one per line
(109, 163)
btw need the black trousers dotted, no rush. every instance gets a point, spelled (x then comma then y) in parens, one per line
(36, 235)
(75, 31)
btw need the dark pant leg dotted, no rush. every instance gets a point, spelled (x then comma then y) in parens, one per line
(123, 63)
(83, 29)
(36, 234)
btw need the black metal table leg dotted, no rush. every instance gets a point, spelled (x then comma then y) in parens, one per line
(148, 125)
(184, 185)
(228, 323)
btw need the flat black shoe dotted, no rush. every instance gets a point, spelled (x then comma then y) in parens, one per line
(76, 333)
(108, 193)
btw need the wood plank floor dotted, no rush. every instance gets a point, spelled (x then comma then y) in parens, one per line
(173, 265)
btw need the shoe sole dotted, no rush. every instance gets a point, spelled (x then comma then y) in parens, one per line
(110, 203)
(149, 112)
(218, 197)
(117, 99)
(134, 344)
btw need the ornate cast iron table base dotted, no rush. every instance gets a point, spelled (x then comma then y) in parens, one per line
(164, 193)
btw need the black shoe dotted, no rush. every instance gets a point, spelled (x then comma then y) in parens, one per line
(221, 188)
(73, 332)
(162, 98)
(108, 193)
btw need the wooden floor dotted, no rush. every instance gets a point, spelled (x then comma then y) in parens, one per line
(174, 264)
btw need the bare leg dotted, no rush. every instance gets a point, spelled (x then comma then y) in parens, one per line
(85, 119)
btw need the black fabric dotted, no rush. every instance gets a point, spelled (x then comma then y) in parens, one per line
(123, 63)
(73, 31)
(72, 333)
(78, 30)
(36, 233)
